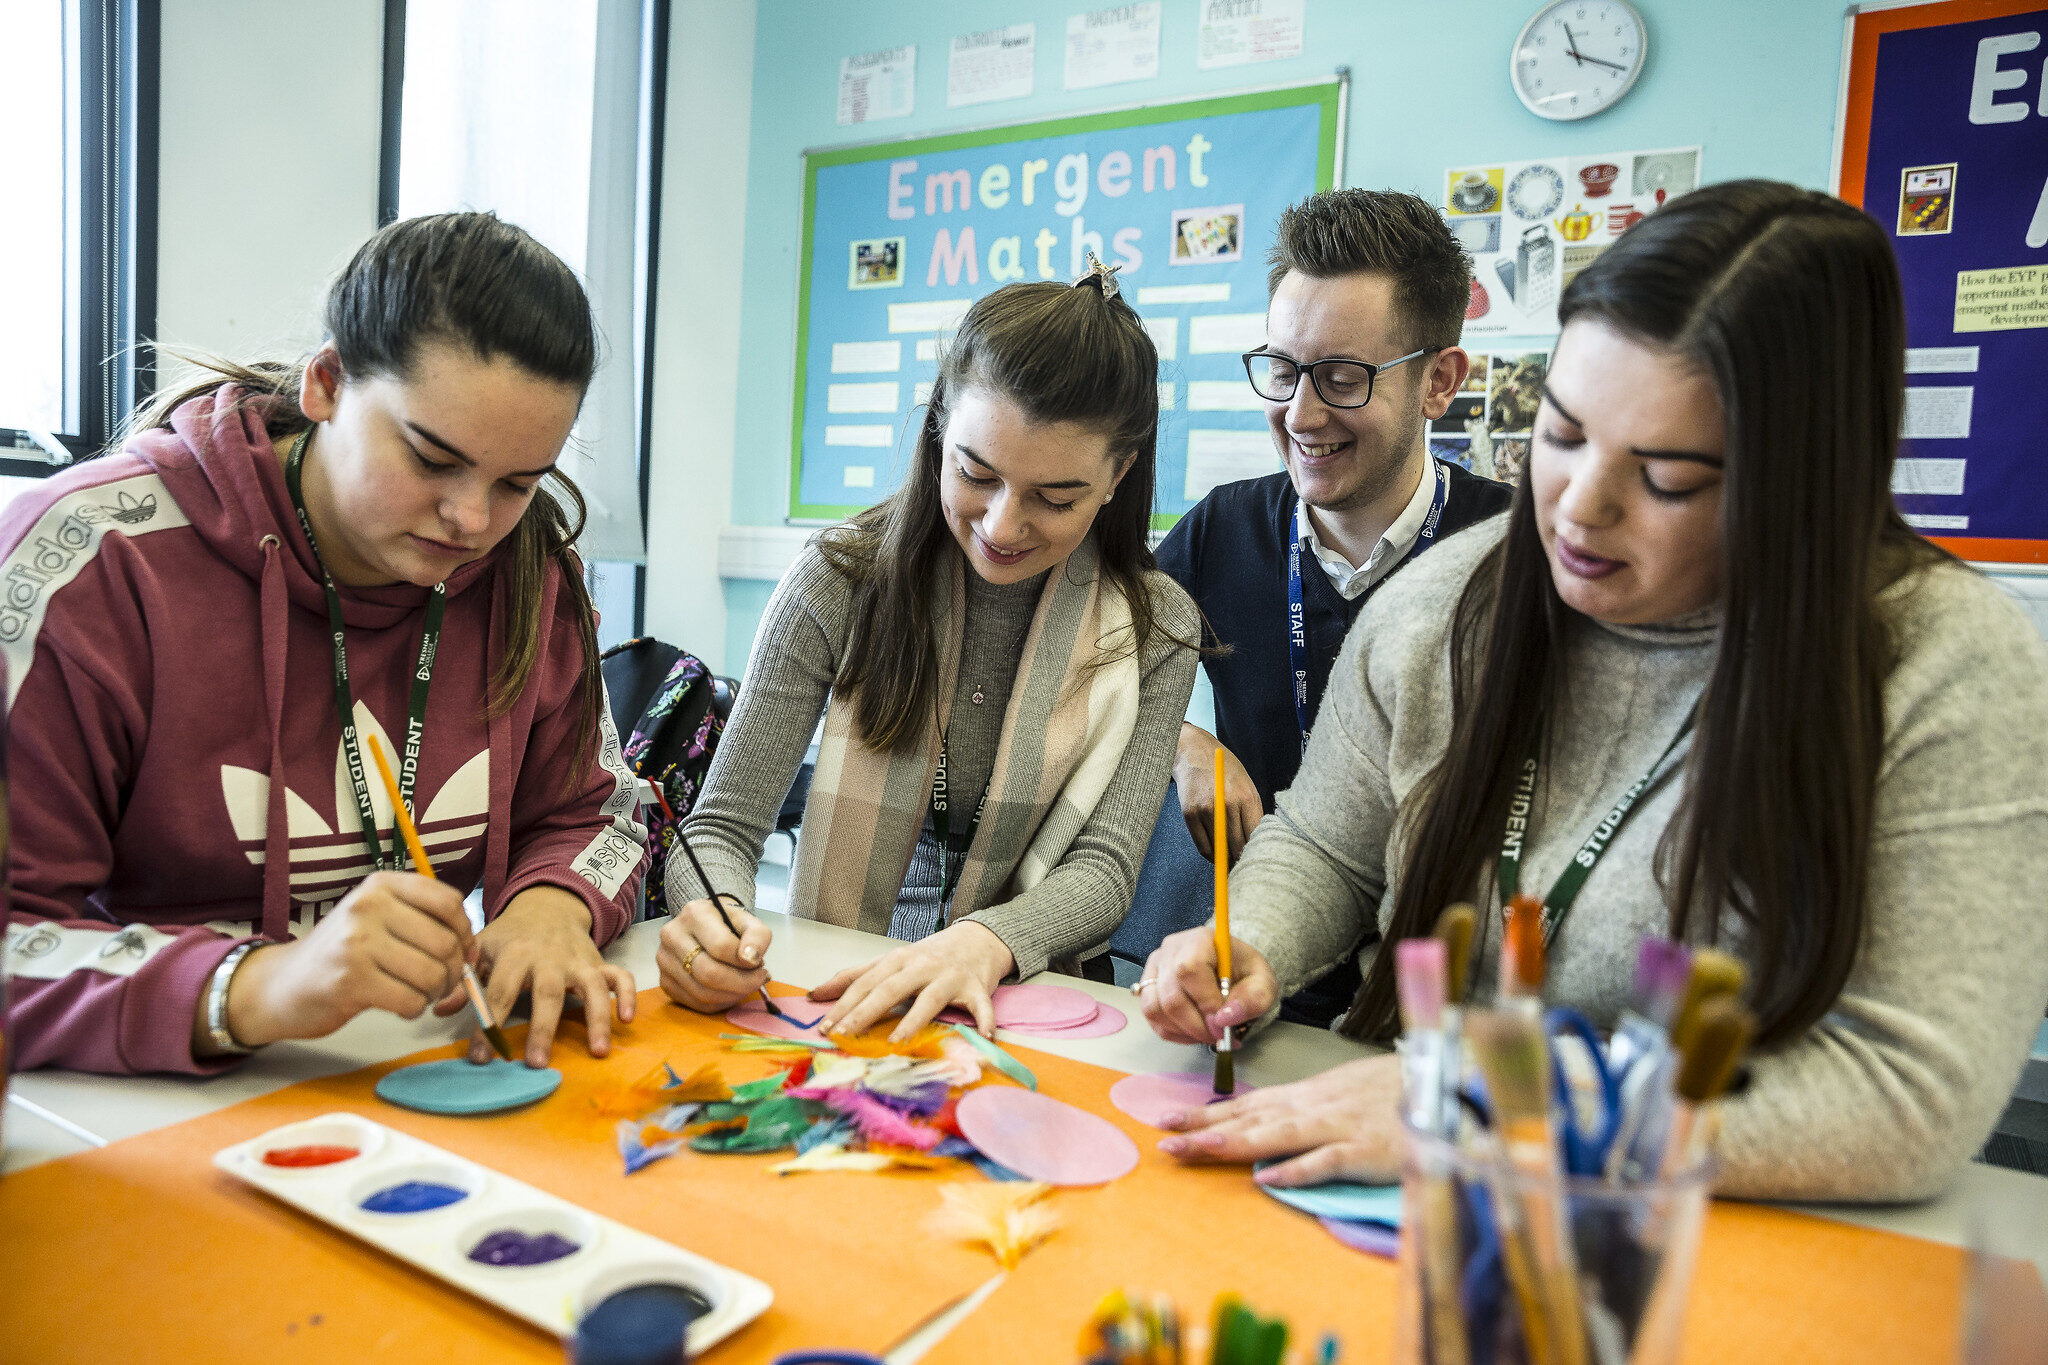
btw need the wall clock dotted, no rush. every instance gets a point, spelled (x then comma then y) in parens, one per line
(1575, 58)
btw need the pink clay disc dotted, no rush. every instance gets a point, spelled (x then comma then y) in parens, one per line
(1150, 1096)
(754, 1019)
(1042, 1138)
(1108, 1019)
(1031, 1005)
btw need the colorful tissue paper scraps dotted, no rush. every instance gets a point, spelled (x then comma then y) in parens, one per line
(858, 1104)
(1007, 1219)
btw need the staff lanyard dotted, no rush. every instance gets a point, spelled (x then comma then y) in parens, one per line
(1573, 878)
(942, 825)
(1297, 615)
(344, 702)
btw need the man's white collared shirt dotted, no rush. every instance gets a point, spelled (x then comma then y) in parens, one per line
(1393, 547)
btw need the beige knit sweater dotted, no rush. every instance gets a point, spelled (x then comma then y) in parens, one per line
(1902, 1082)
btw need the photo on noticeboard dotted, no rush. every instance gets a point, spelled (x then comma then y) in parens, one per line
(1209, 236)
(1927, 200)
(875, 263)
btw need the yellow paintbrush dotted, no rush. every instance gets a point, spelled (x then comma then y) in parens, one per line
(411, 835)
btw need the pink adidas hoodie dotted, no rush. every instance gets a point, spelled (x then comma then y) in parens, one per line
(166, 646)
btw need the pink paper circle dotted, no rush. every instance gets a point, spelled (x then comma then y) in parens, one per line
(1031, 1005)
(1042, 1138)
(1108, 1019)
(1150, 1096)
(754, 1019)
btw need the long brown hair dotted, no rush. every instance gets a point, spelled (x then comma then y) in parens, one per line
(1789, 301)
(475, 282)
(1062, 353)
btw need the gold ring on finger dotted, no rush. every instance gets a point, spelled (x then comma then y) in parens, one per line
(691, 958)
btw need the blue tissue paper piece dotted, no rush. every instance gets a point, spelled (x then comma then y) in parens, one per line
(1342, 1200)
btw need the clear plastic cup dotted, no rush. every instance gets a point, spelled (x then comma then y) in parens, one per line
(1578, 1272)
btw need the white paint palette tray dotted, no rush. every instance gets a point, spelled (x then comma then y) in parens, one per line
(476, 1238)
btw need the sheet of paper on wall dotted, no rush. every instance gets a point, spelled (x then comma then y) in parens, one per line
(1110, 46)
(877, 85)
(1225, 455)
(1235, 32)
(992, 65)
(1532, 226)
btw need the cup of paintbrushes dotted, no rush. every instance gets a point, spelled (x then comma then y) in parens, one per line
(1473, 1289)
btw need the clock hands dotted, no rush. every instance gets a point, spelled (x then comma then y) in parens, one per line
(1572, 49)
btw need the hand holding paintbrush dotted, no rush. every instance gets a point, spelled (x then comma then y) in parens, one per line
(486, 1021)
(1226, 1046)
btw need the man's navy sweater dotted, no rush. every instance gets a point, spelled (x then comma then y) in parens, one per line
(1230, 553)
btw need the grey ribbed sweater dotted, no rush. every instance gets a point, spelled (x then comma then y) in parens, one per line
(788, 683)
(1901, 1083)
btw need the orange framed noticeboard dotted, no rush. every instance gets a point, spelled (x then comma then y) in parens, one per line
(1943, 138)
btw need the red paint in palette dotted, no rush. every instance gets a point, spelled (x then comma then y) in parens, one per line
(314, 1154)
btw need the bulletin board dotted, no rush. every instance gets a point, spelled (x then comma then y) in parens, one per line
(899, 238)
(1944, 140)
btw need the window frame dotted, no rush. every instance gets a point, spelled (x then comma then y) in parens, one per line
(110, 368)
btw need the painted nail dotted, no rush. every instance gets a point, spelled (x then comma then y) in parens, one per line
(1174, 1146)
(1173, 1120)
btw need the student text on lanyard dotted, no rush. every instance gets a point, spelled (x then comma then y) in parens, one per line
(1297, 615)
(1573, 878)
(942, 825)
(344, 702)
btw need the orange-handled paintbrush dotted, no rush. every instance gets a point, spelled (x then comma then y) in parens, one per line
(413, 846)
(1226, 1046)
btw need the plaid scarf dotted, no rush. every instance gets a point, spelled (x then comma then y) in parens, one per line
(1071, 712)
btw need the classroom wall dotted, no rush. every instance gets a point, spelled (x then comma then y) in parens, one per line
(697, 369)
(1753, 81)
(267, 166)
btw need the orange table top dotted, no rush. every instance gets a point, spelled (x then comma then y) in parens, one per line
(142, 1250)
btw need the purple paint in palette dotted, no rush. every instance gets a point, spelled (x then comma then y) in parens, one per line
(414, 1196)
(513, 1247)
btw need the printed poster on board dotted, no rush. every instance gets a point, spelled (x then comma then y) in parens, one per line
(1531, 226)
(1487, 427)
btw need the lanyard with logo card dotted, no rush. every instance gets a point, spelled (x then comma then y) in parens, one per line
(344, 702)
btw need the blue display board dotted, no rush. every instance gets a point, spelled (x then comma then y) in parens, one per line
(899, 238)
(1945, 142)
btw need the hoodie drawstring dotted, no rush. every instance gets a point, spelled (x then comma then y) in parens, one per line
(277, 853)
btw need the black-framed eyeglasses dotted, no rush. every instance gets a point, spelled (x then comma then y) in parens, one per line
(1339, 381)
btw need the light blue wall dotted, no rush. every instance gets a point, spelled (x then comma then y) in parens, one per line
(1753, 81)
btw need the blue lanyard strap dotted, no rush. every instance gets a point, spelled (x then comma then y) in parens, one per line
(1297, 614)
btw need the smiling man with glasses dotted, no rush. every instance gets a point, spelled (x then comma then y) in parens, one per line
(1368, 292)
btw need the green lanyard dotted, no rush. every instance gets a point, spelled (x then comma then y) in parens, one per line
(422, 678)
(942, 825)
(1573, 878)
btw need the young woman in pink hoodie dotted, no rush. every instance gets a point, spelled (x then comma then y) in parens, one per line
(203, 858)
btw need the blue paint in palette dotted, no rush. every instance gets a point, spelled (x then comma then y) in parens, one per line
(414, 1196)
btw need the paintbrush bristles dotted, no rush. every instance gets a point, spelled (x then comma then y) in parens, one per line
(1721, 1032)
(1715, 975)
(1521, 954)
(1419, 979)
(1455, 928)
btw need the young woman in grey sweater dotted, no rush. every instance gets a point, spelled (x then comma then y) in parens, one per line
(1002, 672)
(1703, 578)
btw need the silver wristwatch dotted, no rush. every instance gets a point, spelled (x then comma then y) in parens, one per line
(217, 1031)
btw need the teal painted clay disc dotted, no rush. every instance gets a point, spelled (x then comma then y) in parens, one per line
(457, 1086)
